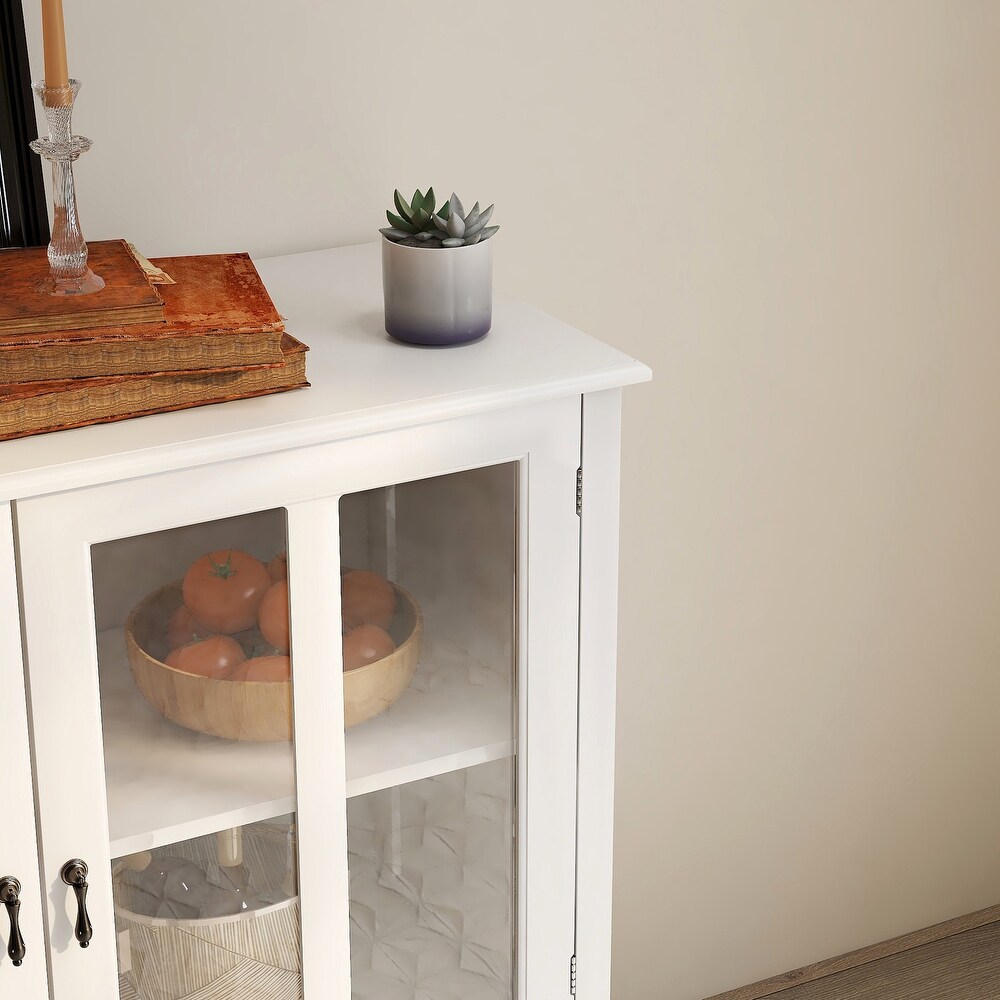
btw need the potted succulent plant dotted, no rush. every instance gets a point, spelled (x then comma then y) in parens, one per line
(437, 271)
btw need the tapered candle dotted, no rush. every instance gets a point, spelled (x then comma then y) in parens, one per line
(54, 41)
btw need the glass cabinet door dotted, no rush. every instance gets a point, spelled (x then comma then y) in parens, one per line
(430, 645)
(162, 693)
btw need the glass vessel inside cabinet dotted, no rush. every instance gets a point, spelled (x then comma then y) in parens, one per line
(196, 680)
(431, 755)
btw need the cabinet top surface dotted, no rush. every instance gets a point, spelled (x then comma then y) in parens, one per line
(362, 382)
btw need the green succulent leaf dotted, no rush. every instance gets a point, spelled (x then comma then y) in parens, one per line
(404, 210)
(423, 201)
(397, 223)
(420, 218)
(445, 210)
(453, 241)
(472, 228)
(396, 235)
(424, 237)
(441, 223)
(473, 217)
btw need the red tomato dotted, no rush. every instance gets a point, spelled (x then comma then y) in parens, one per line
(273, 615)
(264, 668)
(182, 629)
(368, 596)
(215, 657)
(223, 589)
(347, 622)
(277, 568)
(366, 644)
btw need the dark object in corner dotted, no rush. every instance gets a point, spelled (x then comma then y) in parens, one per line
(24, 219)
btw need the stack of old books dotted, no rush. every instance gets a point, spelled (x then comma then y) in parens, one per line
(161, 335)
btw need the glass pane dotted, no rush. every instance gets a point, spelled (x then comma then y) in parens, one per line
(431, 740)
(196, 702)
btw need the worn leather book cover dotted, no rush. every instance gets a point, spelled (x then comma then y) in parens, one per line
(36, 407)
(127, 296)
(217, 315)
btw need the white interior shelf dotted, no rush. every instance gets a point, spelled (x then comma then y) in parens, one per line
(166, 783)
(456, 713)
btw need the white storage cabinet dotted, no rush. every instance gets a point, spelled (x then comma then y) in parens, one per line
(457, 844)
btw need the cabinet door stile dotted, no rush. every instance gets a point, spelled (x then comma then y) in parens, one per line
(314, 591)
(547, 740)
(66, 727)
(18, 846)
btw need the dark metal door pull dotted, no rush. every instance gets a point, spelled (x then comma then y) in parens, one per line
(10, 891)
(74, 874)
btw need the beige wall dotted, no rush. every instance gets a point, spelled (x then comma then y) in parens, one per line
(790, 210)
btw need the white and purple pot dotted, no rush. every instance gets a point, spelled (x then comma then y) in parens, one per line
(440, 296)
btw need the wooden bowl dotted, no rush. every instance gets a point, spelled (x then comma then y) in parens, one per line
(258, 711)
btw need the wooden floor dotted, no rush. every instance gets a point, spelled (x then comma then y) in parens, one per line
(956, 960)
(963, 967)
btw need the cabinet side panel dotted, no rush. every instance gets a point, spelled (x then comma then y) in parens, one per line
(598, 644)
(18, 845)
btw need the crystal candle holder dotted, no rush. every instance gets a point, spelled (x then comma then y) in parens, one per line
(68, 271)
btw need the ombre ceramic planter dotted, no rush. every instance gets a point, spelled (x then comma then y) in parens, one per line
(437, 297)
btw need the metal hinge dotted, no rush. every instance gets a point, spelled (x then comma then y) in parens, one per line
(572, 976)
(579, 492)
